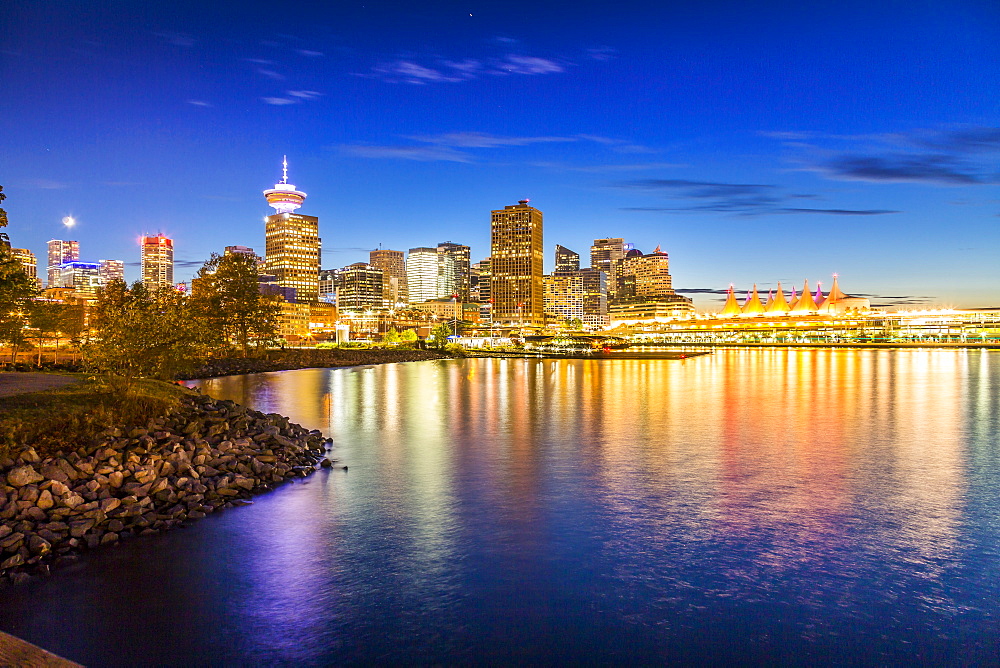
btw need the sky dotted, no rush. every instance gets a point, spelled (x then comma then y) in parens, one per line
(754, 142)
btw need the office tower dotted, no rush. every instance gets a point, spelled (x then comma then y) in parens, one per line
(453, 271)
(291, 241)
(566, 260)
(60, 252)
(28, 261)
(516, 258)
(393, 266)
(595, 298)
(564, 296)
(422, 274)
(328, 285)
(645, 289)
(359, 287)
(83, 277)
(157, 262)
(481, 274)
(603, 255)
(109, 270)
(239, 250)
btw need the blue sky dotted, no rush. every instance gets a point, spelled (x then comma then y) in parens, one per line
(752, 141)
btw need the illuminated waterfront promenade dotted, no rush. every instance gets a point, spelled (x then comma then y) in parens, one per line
(937, 327)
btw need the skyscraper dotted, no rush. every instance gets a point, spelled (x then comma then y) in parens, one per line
(291, 241)
(157, 261)
(28, 261)
(453, 270)
(566, 260)
(109, 270)
(358, 287)
(83, 277)
(422, 274)
(60, 252)
(393, 265)
(603, 255)
(516, 259)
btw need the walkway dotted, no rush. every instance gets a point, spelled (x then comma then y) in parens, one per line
(12, 383)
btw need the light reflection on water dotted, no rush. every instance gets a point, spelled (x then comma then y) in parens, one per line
(764, 505)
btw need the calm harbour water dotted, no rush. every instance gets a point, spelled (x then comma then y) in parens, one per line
(798, 506)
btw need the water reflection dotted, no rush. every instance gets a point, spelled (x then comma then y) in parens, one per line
(754, 505)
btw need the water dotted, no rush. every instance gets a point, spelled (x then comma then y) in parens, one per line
(795, 506)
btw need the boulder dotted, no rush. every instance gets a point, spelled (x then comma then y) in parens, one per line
(23, 475)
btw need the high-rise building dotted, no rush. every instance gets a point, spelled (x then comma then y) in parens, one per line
(595, 298)
(157, 261)
(645, 289)
(422, 274)
(566, 260)
(328, 285)
(516, 259)
(83, 277)
(393, 266)
(480, 275)
(359, 287)
(291, 241)
(239, 250)
(28, 261)
(603, 255)
(60, 252)
(564, 296)
(453, 270)
(109, 270)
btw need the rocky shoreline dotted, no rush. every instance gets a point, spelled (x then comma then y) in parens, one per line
(206, 455)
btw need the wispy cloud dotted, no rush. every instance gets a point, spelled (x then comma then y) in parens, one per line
(602, 53)
(199, 103)
(950, 156)
(44, 184)
(181, 39)
(484, 140)
(420, 153)
(279, 101)
(305, 94)
(744, 199)
(271, 74)
(423, 70)
(515, 64)
(309, 53)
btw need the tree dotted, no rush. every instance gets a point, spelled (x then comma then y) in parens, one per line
(409, 336)
(139, 333)
(4, 239)
(439, 336)
(16, 290)
(226, 293)
(573, 324)
(46, 320)
(391, 337)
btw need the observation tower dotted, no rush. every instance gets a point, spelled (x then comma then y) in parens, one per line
(283, 196)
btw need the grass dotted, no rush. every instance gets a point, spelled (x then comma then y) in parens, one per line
(72, 417)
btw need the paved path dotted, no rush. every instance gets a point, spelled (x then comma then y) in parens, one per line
(21, 383)
(16, 652)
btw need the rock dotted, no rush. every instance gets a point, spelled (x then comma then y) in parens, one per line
(36, 513)
(11, 542)
(29, 456)
(16, 560)
(72, 500)
(55, 472)
(45, 500)
(38, 545)
(110, 537)
(326, 463)
(23, 475)
(116, 478)
(109, 504)
(5, 531)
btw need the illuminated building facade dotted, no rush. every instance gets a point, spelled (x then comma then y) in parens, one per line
(291, 241)
(645, 290)
(395, 291)
(603, 255)
(358, 287)
(481, 275)
(157, 255)
(564, 296)
(566, 260)
(28, 261)
(59, 252)
(516, 259)
(453, 270)
(83, 277)
(450, 309)
(328, 286)
(422, 274)
(109, 270)
(595, 298)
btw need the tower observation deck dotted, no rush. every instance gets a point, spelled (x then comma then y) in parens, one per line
(283, 196)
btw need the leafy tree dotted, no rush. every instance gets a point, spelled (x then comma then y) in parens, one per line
(573, 324)
(4, 239)
(46, 320)
(16, 290)
(145, 334)
(226, 293)
(439, 336)
(392, 336)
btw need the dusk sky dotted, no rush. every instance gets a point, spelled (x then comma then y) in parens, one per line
(752, 141)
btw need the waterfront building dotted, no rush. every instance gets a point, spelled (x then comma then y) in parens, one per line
(516, 259)
(481, 277)
(157, 261)
(110, 270)
(358, 287)
(83, 277)
(291, 241)
(328, 286)
(60, 251)
(450, 309)
(603, 255)
(564, 296)
(595, 299)
(566, 260)
(29, 262)
(453, 270)
(645, 289)
(422, 274)
(393, 265)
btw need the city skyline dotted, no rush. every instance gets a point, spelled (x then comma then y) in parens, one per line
(779, 145)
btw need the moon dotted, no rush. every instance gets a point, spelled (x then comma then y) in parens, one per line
(69, 221)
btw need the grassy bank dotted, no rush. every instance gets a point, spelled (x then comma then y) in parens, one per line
(75, 416)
